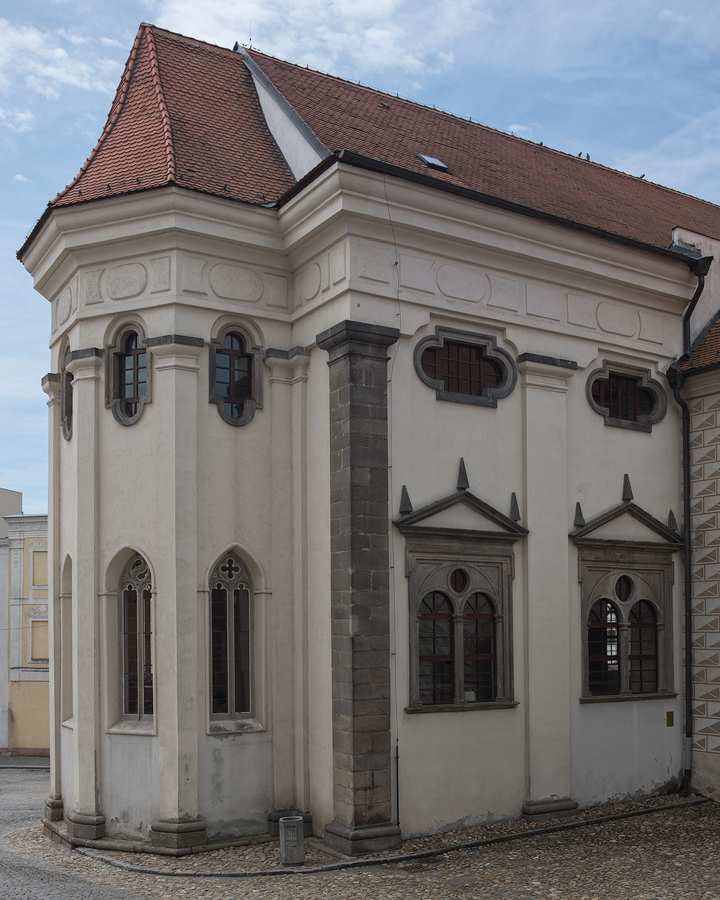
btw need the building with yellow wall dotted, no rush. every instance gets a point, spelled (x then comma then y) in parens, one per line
(25, 652)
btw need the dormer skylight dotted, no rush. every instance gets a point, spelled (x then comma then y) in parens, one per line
(433, 163)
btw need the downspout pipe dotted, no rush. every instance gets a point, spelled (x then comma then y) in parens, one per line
(699, 267)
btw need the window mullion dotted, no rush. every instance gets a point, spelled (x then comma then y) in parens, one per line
(459, 658)
(624, 656)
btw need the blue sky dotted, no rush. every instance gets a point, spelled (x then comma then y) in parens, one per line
(636, 85)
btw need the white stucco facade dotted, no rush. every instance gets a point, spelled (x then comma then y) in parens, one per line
(182, 488)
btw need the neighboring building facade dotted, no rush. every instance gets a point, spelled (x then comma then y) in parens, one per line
(365, 472)
(24, 652)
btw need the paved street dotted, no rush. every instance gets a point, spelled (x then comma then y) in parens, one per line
(665, 854)
(22, 795)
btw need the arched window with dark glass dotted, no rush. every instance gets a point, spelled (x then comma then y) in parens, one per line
(643, 655)
(603, 649)
(233, 378)
(436, 650)
(132, 375)
(230, 644)
(137, 639)
(480, 660)
(128, 375)
(623, 396)
(66, 397)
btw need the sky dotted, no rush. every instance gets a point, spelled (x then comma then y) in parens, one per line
(633, 83)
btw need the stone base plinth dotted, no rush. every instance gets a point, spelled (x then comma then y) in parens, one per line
(54, 808)
(362, 839)
(85, 826)
(178, 834)
(550, 808)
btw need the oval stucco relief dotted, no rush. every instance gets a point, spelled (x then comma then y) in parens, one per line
(126, 281)
(236, 283)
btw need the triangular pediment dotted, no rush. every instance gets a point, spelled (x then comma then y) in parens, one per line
(627, 522)
(460, 512)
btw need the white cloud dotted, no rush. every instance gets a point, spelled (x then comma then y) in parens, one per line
(520, 130)
(21, 178)
(17, 120)
(38, 60)
(687, 160)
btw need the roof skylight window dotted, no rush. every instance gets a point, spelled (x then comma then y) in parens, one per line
(432, 162)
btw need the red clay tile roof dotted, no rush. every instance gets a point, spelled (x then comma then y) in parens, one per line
(705, 353)
(347, 116)
(187, 113)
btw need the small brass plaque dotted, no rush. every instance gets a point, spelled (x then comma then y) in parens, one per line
(670, 718)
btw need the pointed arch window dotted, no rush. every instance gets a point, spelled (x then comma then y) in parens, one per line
(136, 597)
(230, 639)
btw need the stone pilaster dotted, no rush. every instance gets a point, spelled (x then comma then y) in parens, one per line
(288, 369)
(85, 819)
(544, 386)
(177, 692)
(54, 802)
(362, 773)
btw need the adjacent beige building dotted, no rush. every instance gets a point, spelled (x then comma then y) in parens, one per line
(24, 654)
(365, 469)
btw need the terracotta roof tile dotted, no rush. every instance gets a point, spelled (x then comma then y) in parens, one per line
(187, 113)
(705, 353)
(383, 127)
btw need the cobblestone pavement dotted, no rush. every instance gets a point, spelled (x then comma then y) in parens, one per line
(37, 877)
(669, 852)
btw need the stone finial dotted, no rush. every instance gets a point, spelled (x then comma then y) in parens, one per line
(514, 508)
(672, 521)
(579, 517)
(627, 494)
(462, 483)
(405, 504)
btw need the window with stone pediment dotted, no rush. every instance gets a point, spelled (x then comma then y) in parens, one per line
(460, 605)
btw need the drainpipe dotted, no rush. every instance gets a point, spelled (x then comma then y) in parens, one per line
(699, 267)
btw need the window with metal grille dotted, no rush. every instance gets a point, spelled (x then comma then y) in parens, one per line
(230, 639)
(465, 367)
(603, 640)
(479, 659)
(461, 368)
(137, 639)
(624, 397)
(437, 650)
(643, 654)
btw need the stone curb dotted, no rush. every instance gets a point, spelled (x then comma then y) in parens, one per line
(401, 857)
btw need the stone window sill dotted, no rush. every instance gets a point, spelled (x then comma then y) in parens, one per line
(620, 698)
(222, 727)
(462, 707)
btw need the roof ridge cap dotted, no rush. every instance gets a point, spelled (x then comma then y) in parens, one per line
(113, 115)
(164, 112)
